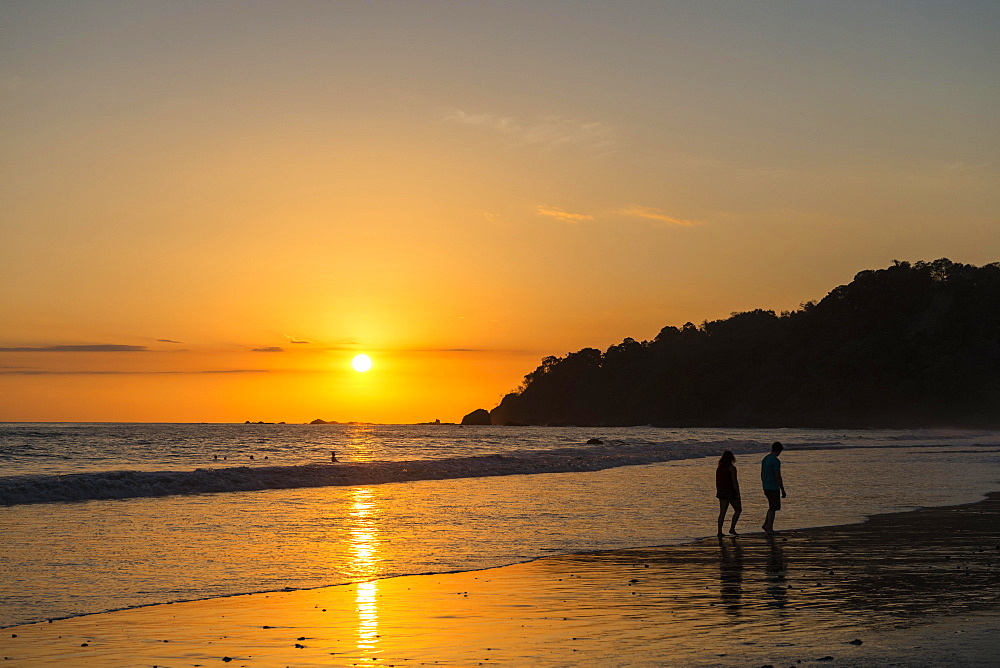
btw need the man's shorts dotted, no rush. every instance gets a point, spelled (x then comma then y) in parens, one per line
(773, 499)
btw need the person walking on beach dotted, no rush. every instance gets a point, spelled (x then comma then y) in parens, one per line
(727, 490)
(774, 487)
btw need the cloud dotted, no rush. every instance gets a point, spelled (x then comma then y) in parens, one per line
(966, 167)
(168, 341)
(549, 132)
(559, 214)
(222, 371)
(126, 373)
(98, 348)
(340, 347)
(269, 349)
(471, 350)
(651, 213)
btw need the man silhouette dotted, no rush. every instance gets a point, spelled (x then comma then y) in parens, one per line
(774, 487)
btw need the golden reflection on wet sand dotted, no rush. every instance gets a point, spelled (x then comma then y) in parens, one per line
(364, 565)
(366, 600)
(802, 596)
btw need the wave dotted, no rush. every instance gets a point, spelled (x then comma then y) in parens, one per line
(30, 489)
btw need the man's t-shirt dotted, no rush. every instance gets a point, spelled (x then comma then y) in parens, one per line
(770, 466)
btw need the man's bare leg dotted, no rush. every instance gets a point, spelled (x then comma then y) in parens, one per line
(769, 522)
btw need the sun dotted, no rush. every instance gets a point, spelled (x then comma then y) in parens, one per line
(361, 363)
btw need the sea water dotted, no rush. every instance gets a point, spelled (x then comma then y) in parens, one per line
(62, 559)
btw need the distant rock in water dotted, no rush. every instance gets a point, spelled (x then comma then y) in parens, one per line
(318, 421)
(479, 416)
(594, 441)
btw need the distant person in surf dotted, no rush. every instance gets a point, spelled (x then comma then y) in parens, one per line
(727, 490)
(774, 486)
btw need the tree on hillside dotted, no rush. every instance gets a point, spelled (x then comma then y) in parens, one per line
(909, 345)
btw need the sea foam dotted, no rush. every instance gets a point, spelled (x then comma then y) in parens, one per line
(26, 489)
(125, 484)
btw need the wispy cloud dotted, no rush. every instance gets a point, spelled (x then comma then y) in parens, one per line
(966, 166)
(340, 347)
(548, 132)
(470, 350)
(656, 215)
(450, 350)
(227, 371)
(292, 339)
(559, 214)
(168, 341)
(269, 349)
(26, 372)
(96, 348)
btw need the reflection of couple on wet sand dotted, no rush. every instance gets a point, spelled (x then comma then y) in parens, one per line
(731, 563)
(727, 488)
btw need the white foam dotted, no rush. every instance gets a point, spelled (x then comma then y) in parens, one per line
(26, 489)
(29, 489)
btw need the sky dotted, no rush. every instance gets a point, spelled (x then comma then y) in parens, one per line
(208, 208)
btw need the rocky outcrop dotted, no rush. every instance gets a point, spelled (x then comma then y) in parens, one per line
(477, 417)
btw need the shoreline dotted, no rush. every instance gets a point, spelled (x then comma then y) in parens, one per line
(888, 581)
(863, 520)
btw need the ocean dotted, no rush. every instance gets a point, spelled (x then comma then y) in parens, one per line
(97, 517)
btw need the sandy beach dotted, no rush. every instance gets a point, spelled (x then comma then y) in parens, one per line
(909, 589)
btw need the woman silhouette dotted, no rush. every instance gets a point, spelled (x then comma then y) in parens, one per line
(727, 490)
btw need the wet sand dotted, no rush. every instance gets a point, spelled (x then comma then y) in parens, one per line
(910, 589)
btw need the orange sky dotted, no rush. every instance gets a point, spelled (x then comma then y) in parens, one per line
(248, 194)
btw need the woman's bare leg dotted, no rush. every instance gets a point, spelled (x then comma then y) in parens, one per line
(723, 506)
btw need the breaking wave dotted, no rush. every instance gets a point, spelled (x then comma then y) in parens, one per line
(26, 489)
(88, 486)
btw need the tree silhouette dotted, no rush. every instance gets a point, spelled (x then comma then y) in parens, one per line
(910, 345)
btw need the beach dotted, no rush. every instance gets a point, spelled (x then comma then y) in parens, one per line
(66, 559)
(437, 333)
(505, 562)
(919, 588)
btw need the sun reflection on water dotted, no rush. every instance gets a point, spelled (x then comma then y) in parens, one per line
(364, 564)
(362, 444)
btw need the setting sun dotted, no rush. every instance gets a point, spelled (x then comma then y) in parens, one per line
(361, 363)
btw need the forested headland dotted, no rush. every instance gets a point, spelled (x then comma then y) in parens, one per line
(912, 345)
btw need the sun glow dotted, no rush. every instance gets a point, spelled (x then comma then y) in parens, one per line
(361, 363)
